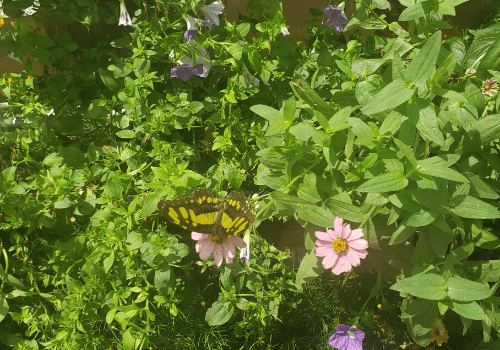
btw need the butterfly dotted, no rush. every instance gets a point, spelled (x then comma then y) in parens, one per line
(204, 212)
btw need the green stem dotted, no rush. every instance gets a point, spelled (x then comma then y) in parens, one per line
(6, 257)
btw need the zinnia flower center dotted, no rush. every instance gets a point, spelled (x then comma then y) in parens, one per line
(215, 239)
(339, 245)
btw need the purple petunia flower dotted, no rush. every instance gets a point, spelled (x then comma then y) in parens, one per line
(212, 13)
(186, 71)
(336, 17)
(347, 338)
(192, 28)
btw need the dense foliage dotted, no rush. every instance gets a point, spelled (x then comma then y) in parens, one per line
(393, 128)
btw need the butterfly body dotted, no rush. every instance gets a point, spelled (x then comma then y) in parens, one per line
(206, 213)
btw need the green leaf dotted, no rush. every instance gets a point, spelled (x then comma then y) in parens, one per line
(4, 308)
(423, 65)
(422, 114)
(64, 203)
(304, 91)
(442, 172)
(462, 289)
(345, 210)
(490, 62)
(467, 309)
(391, 96)
(415, 11)
(243, 29)
(310, 268)
(9, 174)
(217, 314)
(126, 134)
(128, 339)
(391, 181)
(317, 216)
(489, 128)
(110, 316)
(109, 80)
(303, 131)
(474, 208)
(108, 261)
(429, 286)
(444, 70)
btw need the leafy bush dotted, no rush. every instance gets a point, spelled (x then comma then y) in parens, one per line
(393, 129)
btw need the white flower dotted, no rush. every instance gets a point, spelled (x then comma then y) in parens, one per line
(284, 31)
(212, 13)
(124, 17)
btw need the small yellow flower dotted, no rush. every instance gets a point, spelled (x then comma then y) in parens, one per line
(439, 335)
(379, 306)
(301, 42)
(342, 309)
(203, 303)
(10, 80)
(336, 320)
(29, 77)
(1, 20)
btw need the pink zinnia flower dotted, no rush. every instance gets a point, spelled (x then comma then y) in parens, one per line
(208, 245)
(342, 248)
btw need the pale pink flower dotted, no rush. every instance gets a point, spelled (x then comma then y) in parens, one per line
(342, 248)
(206, 246)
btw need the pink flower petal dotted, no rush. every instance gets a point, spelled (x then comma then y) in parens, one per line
(352, 257)
(346, 231)
(320, 243)
(330, 260)
(358, 244)
(218, 254)
(360, 252)
(322, 251)
(206, 249)
(198, 236)
(237, 241)
(228, 250)
(334, 234)
(355, 234)
(337, 225)
(324, 236)
(342, 265)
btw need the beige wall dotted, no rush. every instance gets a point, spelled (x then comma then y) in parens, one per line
(469, 15)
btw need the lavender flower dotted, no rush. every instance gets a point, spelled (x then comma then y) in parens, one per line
(124, 17)
(192, 28)
(347, 338)
(203, 59)
(336, 17)
(212, 13)
(186, 71)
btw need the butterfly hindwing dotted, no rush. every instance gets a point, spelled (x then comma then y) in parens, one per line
(206, 213)
(198, 212)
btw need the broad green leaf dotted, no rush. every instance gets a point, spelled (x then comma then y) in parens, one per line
(423, 65)
(108, 261)
(423, 115)
(289, 109)
(462, 289)
(64, 203)
(429, 286)
(489, 128)
(391, 96)
(345, 210)
(366, 67)
(491, 61)
(317, 216)
(390, 181)
(407, 152)
(217, 314)
(479, 188)
(286, 202)
(338, 120)
(442, 172)
(110, 316)
(444, 70)
(474, 208)
(484, 239)
(9, 174)
(310, 268)
(128, 339)
(415, 11)
(304, 91)
(268, 113)
(4, 308)
(109, 80)
(303, 131)
(469, 309)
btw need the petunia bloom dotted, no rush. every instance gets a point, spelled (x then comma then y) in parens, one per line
(284, 31)
(124, 17)
(342, 248)
(347, 338)
(212, 13)
(490, 87)
(186, 71)
(203, 59)
(207, 245)
(336, 17)
(192, 28)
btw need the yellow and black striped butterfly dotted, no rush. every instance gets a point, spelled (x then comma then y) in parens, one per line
(204, 212)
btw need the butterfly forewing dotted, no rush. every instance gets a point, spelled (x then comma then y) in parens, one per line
(198, 212)
(204, 212)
